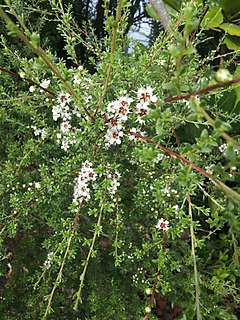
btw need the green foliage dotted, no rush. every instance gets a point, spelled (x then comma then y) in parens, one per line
(120, 187)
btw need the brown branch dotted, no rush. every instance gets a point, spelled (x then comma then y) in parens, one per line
(199, 24)
(153, 292)
(16, 75)
(219, 183)
(202, 91)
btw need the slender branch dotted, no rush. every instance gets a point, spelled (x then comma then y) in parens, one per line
(16, 75)
(197, 293)
(199, 23)
(113, 47)
(59, 277)
(82, 276)
(202, 91)
(220, 184)
(60, 273)
(153, 292)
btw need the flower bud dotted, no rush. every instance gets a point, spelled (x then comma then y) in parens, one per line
(223, 75)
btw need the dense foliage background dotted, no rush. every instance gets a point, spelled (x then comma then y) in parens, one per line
(119, 169)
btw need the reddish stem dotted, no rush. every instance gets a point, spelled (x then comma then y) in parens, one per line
(176, 155)
(153, 292)
(175, 135)
(199, 24)
(16, 75)
(205, 90)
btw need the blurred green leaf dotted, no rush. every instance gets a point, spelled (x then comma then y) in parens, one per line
(230, 6)
(231, 28)
(213, 18)
(232, 42)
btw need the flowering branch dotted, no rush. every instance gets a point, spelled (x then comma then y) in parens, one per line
(16, 75)
(41, 53)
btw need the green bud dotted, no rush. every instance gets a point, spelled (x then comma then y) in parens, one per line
(147, 309)
(223, 75)
(148, 291)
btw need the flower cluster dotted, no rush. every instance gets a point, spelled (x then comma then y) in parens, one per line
(63, 111)
(142, 108)
(162, 224)
(117, 114)
(48, 262)
(119, 111)
(114, 178)
(39, 132)
(85, 176)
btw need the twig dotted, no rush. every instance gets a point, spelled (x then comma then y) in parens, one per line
(197, 293)
(220, 184)
(202, 91)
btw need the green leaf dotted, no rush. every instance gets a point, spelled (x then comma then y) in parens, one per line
(230, 28)
(159, 127)
(227, 101)
(204, 134)
(232, 42)
(230, 6)
(213, 18)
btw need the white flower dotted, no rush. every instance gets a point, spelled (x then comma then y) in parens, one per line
(39, 132)
(131, 136)
(32, 89)
(162, 224)
(113, 107)
(65, 145)
(64, 98)
(76, 79)
(76, 111)
(88, 98)
(64, 112)
(37, 185)
(142, 110)
(223, 147)
(45, 83)
(146, 95)
(113, 136)
(236, 150)
(65, 126)
(159, 157)
(56, 112)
